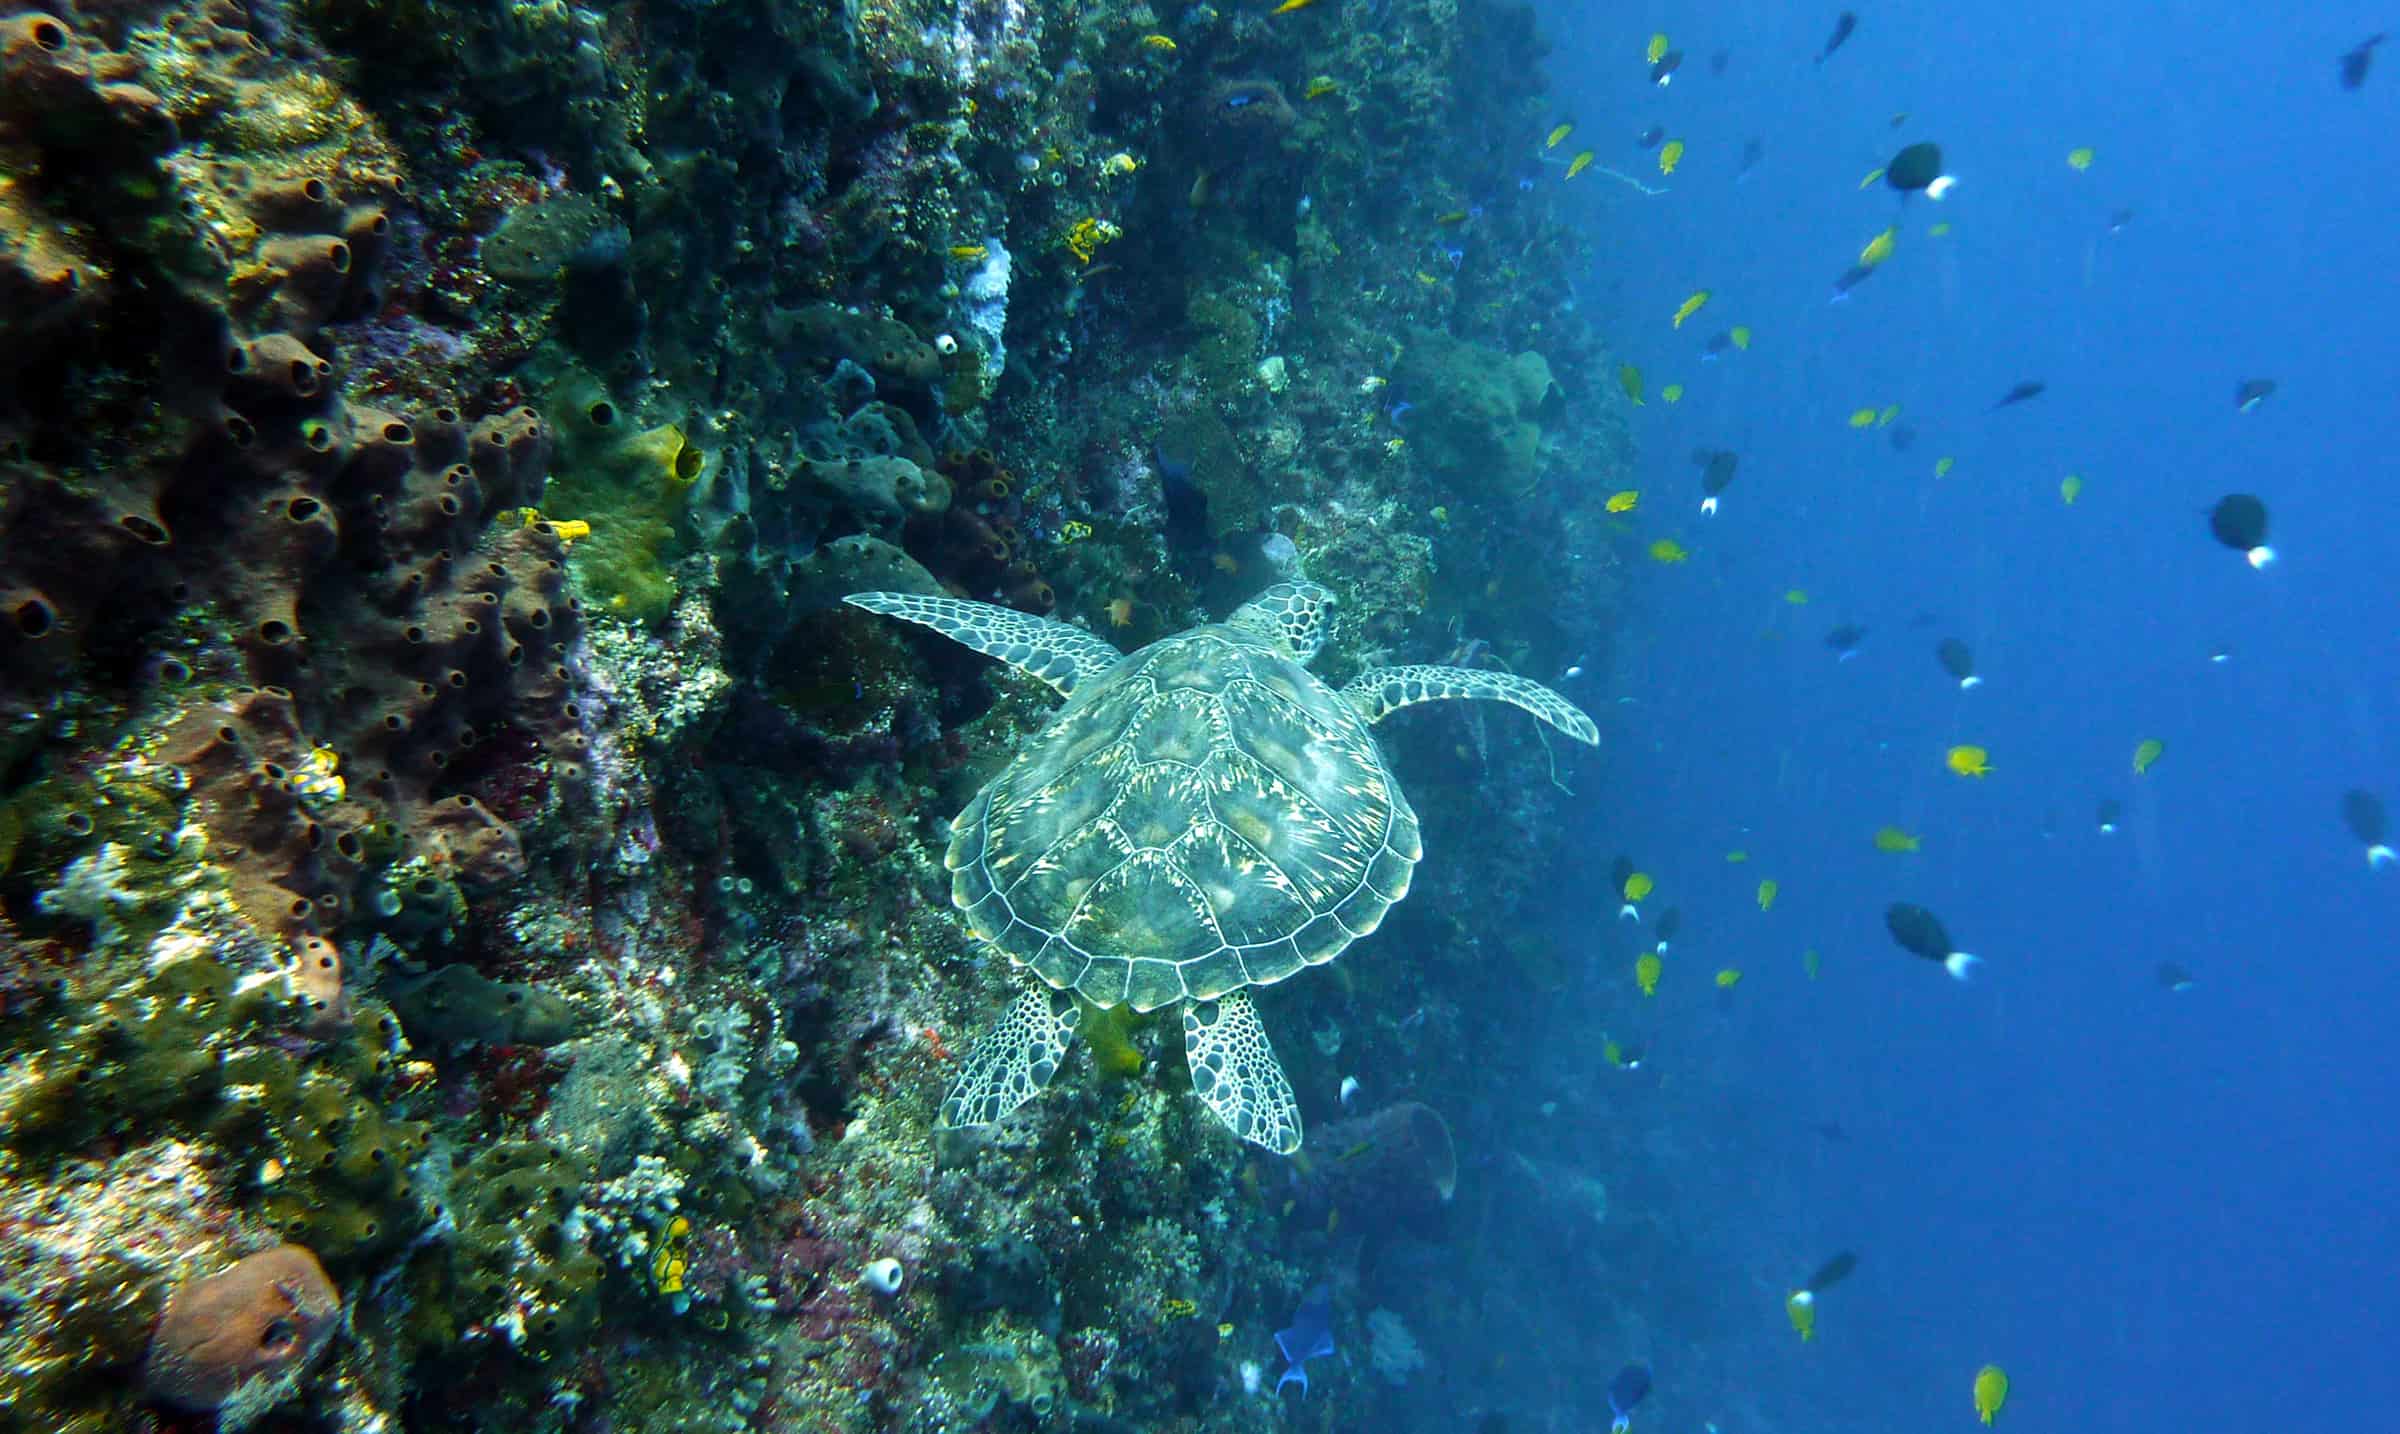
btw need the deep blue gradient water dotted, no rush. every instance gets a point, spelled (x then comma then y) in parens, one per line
(2159, 1212)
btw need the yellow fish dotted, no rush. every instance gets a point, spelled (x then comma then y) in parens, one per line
(1890, 412)
(1766, 894)
(1320, 87)
(1729, 978)
(1691, 306)
(1797, 597)
(1872, 176)
(1455, 216)
(1991, 1391)
(2078, 159)
(1811, 962)
(1667, 550)
(1938, 230)
(1625, 500)
(674, 1258)
(2069, 487)
(1943, 465)
(1737, 856)
(1802, 1308)
(1672, 393)
(1670, 156)
(1894, 839)
(1658, 47)
(1862, 418)
(1878, 249)
(1557, 136)
(2150, 751)
(1159, 43)
(1645, 972)
(1288, 6)
(1580, 163)
(1639, 885)
(1611, 1052)
(1629, 379)
(1973, 761)
(1741, 337)
(968, 252)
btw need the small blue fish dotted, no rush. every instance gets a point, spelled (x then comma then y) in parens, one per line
(1311, 1335)
(1624, 1392)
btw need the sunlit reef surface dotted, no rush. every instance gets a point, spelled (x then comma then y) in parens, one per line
(461, 872)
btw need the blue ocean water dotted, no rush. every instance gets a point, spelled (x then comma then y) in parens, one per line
(2156, 1210)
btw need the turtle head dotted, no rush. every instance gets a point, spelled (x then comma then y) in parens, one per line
(1292, 615)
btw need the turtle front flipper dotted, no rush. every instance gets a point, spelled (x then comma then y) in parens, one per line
(1380, 691)
(1014, 1059)
(1052, 651)
(1235, 1073)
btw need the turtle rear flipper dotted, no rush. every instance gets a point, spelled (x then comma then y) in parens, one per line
(1380, 691)
(1052, 651)
(1014, 1059)
(1235, 1073)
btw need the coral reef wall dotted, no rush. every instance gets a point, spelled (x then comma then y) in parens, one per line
(474, 949)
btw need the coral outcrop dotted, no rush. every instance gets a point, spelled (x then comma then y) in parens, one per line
(236, 1342)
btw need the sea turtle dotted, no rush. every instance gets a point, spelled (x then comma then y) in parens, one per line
(1204, 815)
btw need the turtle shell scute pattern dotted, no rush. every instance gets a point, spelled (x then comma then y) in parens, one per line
(1209, 817)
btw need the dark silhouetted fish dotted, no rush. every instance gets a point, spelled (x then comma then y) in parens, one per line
(1831, 1273)
(2362, 812)
(2030, 388)
(1624, 1392)
(2174, 977)
(1919, 932)
(1650, 137)
(2251, 392)
(2356, 60)
(2239, 521)
(1845, 639)
(1918, 166)
(1670, 921)
(1310, 1336)
(2111, 812)
(1958, 662)
(1842, 26)
(1664, 68)
(1903, 438)
(1716, 476)
(1187, 527)
(1753, 150)
(1718, 61)
(1832, 1130)
(2118, 221)
(1851, 278)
